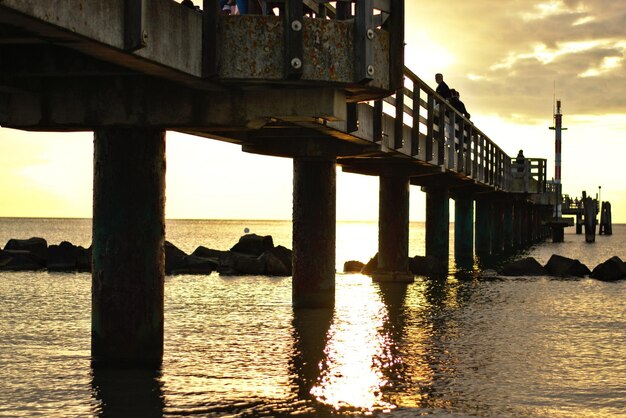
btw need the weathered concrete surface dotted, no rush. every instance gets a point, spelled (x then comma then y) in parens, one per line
(250, 47)
(437, 222)
(128, 239)
(314, 230)
(83, 104)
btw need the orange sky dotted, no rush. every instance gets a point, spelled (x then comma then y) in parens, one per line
(504, 57)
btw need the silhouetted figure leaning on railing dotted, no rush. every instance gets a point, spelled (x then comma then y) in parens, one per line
(455, 102)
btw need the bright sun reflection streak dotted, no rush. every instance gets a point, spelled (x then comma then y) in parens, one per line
(351, 377)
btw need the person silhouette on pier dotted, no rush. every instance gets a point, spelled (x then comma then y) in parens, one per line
(520, 161)
(455, 102)
(442, 88)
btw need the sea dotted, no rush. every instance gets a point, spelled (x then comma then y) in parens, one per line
(467, 345)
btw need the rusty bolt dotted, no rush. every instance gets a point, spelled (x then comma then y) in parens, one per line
(296, 63)
(370, 34)
(144, 38)
(370, 70)
(296, 26)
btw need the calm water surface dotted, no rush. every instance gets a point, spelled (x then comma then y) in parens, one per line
(470, 345)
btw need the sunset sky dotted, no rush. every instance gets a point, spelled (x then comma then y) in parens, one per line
(506, 58)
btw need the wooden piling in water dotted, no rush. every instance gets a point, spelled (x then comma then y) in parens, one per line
(590, 219)
(606, 227)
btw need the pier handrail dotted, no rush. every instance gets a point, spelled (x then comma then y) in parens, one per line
(465, 149)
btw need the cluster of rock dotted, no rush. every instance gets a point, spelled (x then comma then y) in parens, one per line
(611, 270)
(418, 265)
(252, 255)
(36, 254)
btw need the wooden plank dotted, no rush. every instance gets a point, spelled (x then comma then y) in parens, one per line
(294, 54)
(210, 30)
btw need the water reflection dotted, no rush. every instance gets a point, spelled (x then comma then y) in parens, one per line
(310, 332)
(352, 374)
(127, 392)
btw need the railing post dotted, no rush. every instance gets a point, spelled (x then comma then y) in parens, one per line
(343, 10)
(441, 135)
(415, 113)
(430, 129)
(363, 36)
(399, 120)
(460, 152)
(293, 39)
(475, 139)
(210, 22)
(451, 141)
(468, 151)
(352, 123)
(395, 26)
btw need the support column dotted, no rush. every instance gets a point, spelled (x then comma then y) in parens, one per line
(507, 207)
(393, 230)
(128, 238)
(497, 228)
(517, 226)
(464, 231)
(483, 226)
(438, 223)
(525, 225)
(314, 218)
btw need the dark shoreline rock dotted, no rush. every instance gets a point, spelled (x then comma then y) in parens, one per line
(525, 267)
(564, 267)
(611, 270)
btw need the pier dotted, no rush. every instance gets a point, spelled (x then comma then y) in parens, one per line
(323, 86)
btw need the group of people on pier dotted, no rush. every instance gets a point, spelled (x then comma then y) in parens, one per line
(451, 95)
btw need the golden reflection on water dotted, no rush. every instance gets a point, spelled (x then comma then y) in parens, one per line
(351, 372)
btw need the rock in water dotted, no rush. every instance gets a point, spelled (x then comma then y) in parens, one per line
(525, 267)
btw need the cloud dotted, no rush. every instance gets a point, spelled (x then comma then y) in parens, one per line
(511, 54)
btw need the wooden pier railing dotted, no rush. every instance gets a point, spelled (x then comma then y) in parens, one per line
(420, 124)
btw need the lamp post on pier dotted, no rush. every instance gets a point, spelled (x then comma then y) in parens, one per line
(558, 223)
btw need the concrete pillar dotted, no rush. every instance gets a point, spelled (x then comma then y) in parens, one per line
(525, 225)
(483, 226)
(314, 214)
(393, 230)
(464, 231)
(497, 229)
(128, 238)
(438, 223)
(517, 226)
(507, 207)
